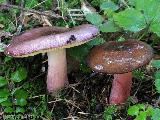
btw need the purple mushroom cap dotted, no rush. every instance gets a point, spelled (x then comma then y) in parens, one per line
(50, 39)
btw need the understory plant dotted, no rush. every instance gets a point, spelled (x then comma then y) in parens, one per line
(142, 112)
(135, 19)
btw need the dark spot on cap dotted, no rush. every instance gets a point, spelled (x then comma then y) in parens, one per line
(71, 39)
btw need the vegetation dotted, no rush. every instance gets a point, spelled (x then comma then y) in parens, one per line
(22, 80)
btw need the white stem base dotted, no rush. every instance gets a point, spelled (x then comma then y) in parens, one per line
(57, 70)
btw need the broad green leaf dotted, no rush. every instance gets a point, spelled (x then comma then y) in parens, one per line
(20, 110)
(21, 101)
(107, 114)
(19, 75)
(109, 13)
(109, 6)
(155, 63)
(2, 46)
(3, 81)
(149, 8)
(141, 107)
(21, 94)
(149, 111)
(120, 39)
(155, 28)
(94, 18)
(156, 114)
(9, 110)
(157, 81)
(7, 59)
(79, 52)
(3, 1)
(108, 27)
(31, 3)
(133, 110)
(48, 4)
(131, 2)
(4, 93)
(107, 117)
(96, 41)
(142, 116)
(130, 19)
(110, 109)
(7, 103)
(3, 99)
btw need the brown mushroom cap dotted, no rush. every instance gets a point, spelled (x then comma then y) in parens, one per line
(23, 45)
(119, 57)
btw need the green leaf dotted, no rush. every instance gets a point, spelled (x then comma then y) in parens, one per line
(149, 111)
(149, 8)
(109, 13)
(7, 103)
(108, 27)
(79, 52)
(9, 110)
(156, 114)
(20, 101)
(3, 99)
(130, 19)
(20, 110)
(94, 18)
(4, 93)
(3, 81)
(7, 59)
(133, 110)
(109, 6)
(48, 4)
(120, 39)
(19, 75)
(142, 116)
(3, 1)
(107, 115)
(155, 63)
(157, 81)
(96, 41)
(131, 2)
(31, 3)
(141, 107)
(21, 94)
(2, 46)
(155, 28)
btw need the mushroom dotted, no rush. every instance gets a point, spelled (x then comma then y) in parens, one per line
(54, 41)
(120, 58)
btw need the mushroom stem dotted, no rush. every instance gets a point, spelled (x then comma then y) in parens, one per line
(57, 70)
(121, 87)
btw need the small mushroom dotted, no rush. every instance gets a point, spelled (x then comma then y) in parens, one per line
(120, 58)
(54, 41)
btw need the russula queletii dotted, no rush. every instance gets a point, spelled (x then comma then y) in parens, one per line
(54, 41)
(120, 58)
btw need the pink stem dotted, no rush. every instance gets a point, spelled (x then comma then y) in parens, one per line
(57, 70)
(121, 87)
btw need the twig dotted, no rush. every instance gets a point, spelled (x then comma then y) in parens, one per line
(67, 101)
(137, 88)
(53, 15)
